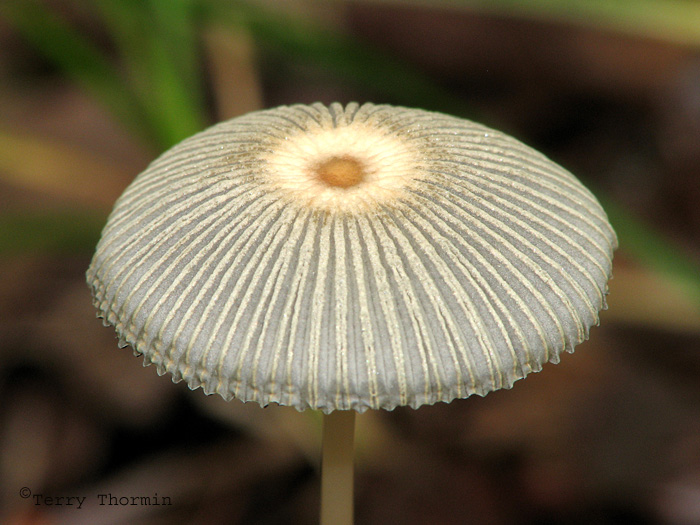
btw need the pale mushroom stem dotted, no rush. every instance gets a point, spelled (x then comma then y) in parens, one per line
(337, 468)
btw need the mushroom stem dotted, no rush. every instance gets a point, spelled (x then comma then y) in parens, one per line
(337, 468)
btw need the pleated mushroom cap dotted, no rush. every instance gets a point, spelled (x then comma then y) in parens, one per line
(351, 258)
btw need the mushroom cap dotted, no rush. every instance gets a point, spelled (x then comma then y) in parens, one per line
(352, 257)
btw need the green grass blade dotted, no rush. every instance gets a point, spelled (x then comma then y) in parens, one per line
(77, 58)
(157, 42)
(175, 77)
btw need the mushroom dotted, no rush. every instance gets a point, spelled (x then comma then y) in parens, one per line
(350, 258)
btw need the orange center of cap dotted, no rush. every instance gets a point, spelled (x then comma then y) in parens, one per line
(342, 172)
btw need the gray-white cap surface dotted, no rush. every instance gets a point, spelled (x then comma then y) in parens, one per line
(366, 256)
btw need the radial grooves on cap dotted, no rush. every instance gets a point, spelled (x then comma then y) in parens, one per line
(472, 264)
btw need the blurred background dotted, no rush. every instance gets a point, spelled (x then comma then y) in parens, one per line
(91, 92)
